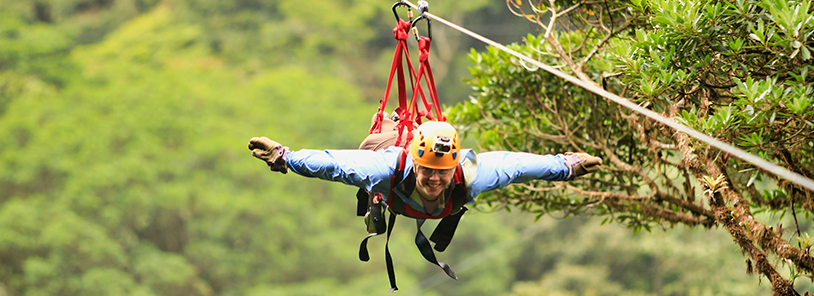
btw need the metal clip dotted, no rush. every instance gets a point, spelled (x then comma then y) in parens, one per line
(409, 10)
(423, 7)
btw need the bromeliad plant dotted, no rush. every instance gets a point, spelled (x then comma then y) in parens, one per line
(741, 71)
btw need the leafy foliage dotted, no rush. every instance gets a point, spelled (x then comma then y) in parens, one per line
(738, 71)
(124, 169)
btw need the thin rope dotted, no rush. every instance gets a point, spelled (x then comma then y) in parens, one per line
(734, 151)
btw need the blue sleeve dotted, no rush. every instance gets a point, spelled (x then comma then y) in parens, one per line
(499, 169)
(360, 168)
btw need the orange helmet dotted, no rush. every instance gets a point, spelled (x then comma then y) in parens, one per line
(436, 145)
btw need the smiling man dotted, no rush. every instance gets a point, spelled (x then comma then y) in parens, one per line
(434, 157)
(432, 179)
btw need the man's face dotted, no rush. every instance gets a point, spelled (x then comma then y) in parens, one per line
(431, 183)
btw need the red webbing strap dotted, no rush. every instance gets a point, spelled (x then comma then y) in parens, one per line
(405, 123)
(424, 59)
(424, 70)
(413, 213)
(410, 114)
(400, 32)
(401, 35)
(403, 29)
(413, 114)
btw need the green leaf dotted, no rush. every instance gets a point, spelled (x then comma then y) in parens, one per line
(655, 57)
(641, 36)
(805, 53)
(800, 104)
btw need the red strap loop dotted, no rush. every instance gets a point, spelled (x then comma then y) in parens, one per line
(423, 49)
(409, 113)
(402, 30)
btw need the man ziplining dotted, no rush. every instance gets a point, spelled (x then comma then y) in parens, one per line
(429, 176)
(430, 179)
(435, 155)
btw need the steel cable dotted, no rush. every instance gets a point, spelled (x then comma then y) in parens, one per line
(590, 86)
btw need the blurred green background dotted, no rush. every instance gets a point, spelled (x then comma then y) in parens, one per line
(124, 168)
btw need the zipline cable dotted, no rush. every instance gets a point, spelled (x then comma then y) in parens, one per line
(732, 150)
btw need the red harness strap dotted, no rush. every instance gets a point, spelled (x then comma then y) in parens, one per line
(413, 213)
(400, 32)
(409, 113)
(424, 68)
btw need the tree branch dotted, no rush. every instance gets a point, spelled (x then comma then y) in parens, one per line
(602, 43)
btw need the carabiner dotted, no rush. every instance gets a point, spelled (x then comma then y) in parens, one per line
(423, 7)
(409, 10)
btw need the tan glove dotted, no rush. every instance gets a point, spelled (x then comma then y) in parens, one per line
(269, 151)
(581, 163)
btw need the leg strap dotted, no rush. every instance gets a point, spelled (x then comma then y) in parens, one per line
(391, 273)
(426, 250)
(421, 242)
(374, 220)
(365, 256)
(442, 235)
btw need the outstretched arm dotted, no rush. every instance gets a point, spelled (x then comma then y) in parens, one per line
(499, 169)
(361, 168)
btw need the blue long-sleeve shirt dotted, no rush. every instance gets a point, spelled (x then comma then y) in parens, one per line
(372, 170)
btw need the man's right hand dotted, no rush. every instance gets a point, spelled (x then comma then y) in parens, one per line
(269, 151)
(581, 163)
